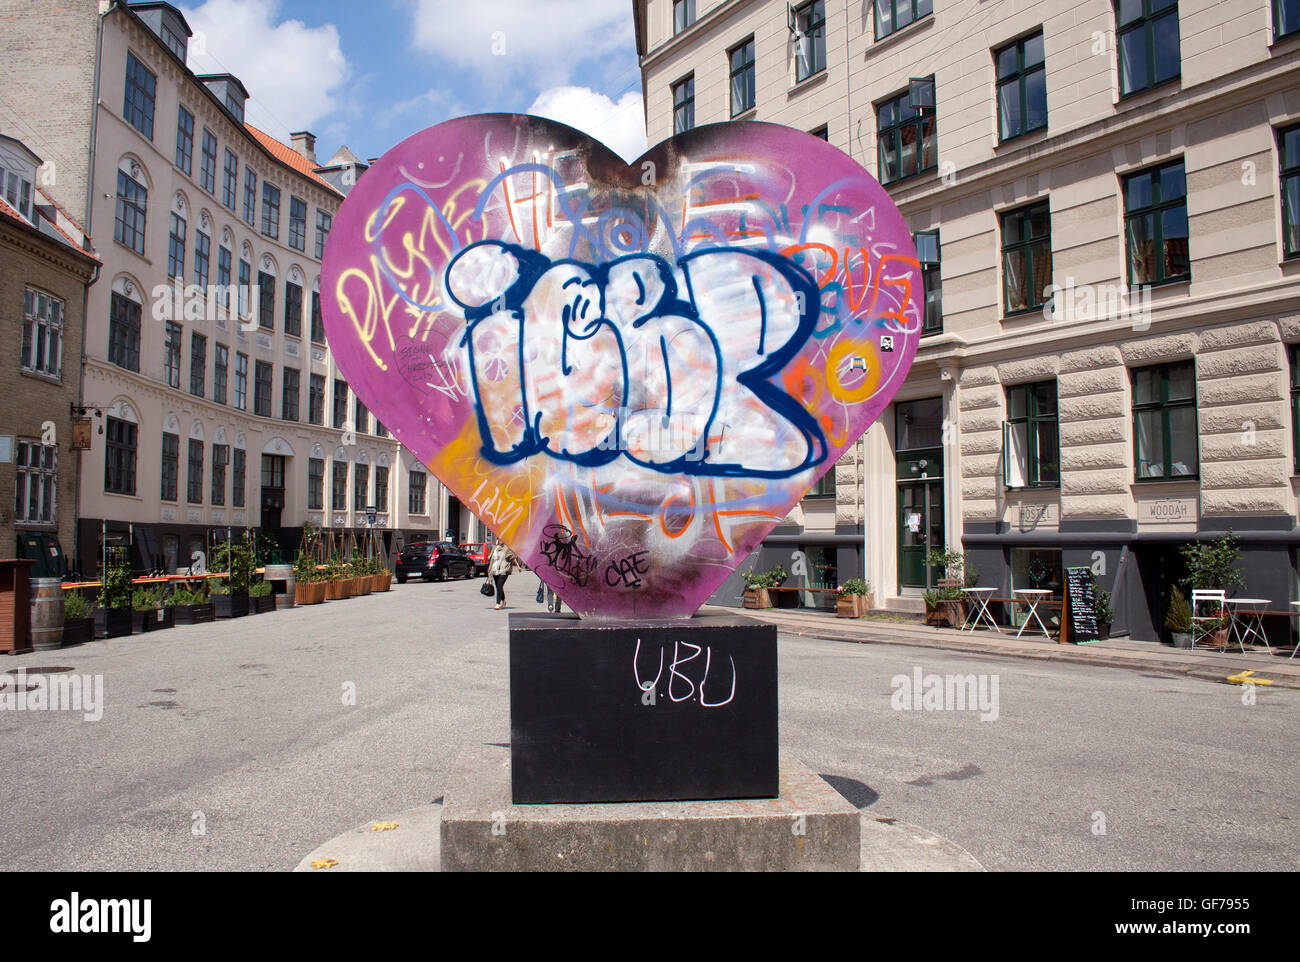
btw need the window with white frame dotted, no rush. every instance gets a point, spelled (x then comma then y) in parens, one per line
(42, 351)
(36, 482)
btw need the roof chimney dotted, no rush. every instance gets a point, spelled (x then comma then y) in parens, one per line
(305, 143)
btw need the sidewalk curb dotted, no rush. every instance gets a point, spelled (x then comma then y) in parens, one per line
(1063, 653)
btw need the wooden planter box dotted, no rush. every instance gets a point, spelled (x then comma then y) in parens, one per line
(309, 593)
(78, 631)
(361, 585)
(757, 598)
(260, 605)
(231, 605)
(195, 614)
(155, 619)
(338, 589)
(936, 615)
(118, 622)
(383, 582)
(851, 606)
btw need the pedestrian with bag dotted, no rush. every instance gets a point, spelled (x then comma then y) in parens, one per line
(501, 563)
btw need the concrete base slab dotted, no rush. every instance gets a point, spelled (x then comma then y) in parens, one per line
(889, 845)
(372, 847)
(808, 827)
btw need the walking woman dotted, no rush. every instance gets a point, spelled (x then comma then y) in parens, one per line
(501, 563)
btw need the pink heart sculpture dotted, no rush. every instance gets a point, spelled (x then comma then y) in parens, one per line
(629, 372)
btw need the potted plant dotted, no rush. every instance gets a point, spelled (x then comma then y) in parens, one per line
(230, 595)
(115, 598)
(1212, 564)
(192, 606)
(337, 586)
(853, 599)
(944, 607)
(1179, 619)
(151, 609)
(383, 577)
(78, 623)
(309, 583)
(1101, 611)
(360, 575)
(260, 599)
(757, 585)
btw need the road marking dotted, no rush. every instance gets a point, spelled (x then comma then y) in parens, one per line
(1245, 676)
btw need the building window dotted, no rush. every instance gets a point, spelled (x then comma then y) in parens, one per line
(198, 363)
(1022, 87)
(905, 133)
(317, 321)
(290, 392)
(1286, 18)
(176, 248)
(141, 85)
(208, 166)
(380, 430)
(129, 223)
(1164, 422)
(36, 482)
(361, 422)
(1031, 454)
(223, 275)
(927, 252)
(220, 457)
(1147, 33)
(124, 332)
(194, 473)
(172, 354)
(1155, 225)
(315, 484)
(381, 488)
(184, 139)
(360, 487)
(42, 349)
(170, 474)
(237, 478)
(202, 258)
(119, 456)
(297, 223)
(339, 485)
(17, 192)
(1026, 257)
(323, 224)
(292, 308)
(1289, 162)
(230, 181)
(316, 399)
(340, 403)
(822, 133)
(417, 482)
(241, 381)
(175, 43)
(683, 15)
(684, 105)
(266, 300)
(741, 59)
(270, 211)
(220, 363)
(810, 46)
(250, 196)
(243, 291)
(894, 15)
(262, 375)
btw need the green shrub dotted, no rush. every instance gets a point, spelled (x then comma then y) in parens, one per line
(75, 606)
(147, 599)
(237, 560)
(260, 590)
(116, 590)
(855, 586)
(1179, 618)
(1211, 564)
(190, 596)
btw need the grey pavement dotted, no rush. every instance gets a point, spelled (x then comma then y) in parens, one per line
(241, 729)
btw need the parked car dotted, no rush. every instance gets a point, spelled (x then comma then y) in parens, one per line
(433, 561)
(478, 553)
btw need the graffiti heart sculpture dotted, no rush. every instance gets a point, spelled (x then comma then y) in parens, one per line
(629, 372)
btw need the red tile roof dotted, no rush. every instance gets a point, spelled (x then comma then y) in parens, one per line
(290, 157)
(12, 214)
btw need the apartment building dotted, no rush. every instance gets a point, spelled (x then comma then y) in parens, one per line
(45, 266)
(1105, 197)
(218, 406)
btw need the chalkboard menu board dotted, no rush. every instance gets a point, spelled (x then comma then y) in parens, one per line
(1078, 620)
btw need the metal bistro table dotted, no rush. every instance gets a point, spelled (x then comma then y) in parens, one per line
(1243, 625)
(979, 609)
(1033, 597)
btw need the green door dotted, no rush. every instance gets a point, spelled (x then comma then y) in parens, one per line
(918, 445)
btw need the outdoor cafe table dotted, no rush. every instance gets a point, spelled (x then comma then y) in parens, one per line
(1245, 624)
(979, 609)
(1033, 597)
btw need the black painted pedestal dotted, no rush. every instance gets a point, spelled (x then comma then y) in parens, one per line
(642, 710)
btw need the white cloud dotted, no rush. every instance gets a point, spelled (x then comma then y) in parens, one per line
(619, 126)
(295, 74)
(543, 43)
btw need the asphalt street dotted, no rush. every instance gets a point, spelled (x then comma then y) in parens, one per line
(246, 744)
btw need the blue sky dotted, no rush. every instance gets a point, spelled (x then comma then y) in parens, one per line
(371, 73)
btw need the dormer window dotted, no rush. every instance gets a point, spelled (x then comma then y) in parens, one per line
(235, 106)
(17, 192)
(176, 44)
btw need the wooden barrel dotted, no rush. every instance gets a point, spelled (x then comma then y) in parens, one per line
(47, 613)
